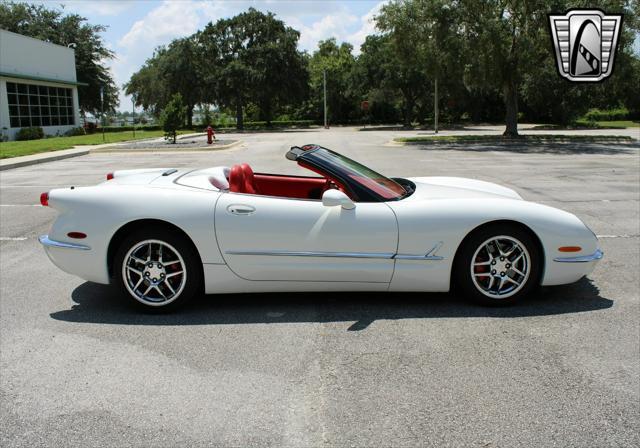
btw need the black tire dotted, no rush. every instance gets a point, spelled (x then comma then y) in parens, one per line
(183, 288)
(482, 290)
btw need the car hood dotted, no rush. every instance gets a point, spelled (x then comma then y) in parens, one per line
(458, 188)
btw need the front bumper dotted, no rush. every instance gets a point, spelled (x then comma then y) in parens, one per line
(565, 270)
(597, 255)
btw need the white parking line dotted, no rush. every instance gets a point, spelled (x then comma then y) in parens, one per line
(20, 205)
(12, 238)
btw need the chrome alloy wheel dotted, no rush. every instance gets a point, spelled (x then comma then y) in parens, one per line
(154, 272)
(500, 267)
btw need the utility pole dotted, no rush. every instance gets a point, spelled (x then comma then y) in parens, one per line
(324, 76)
(435, 107)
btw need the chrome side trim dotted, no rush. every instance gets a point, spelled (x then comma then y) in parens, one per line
(430, 255)
(597, 255)
(46, 241)
(292, 253)
(418, 257)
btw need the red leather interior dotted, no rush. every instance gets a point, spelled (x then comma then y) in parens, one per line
(243, 180)
(290, 186)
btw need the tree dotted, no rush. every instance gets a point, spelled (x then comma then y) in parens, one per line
(173, 117)
(423, 37)
(508, 47)
(149, 86)
(172, 69)
(251, 57)
(181, 73)
(338, 62)
(91, 52)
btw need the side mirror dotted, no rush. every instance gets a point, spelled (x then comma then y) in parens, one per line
(333, 198)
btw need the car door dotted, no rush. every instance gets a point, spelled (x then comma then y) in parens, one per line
(270, 238)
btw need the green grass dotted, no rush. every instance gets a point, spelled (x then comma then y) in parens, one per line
(586, 124)
(24, 148)
(522, 138)
(618, 124)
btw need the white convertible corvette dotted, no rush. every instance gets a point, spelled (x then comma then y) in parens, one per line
(165, 235)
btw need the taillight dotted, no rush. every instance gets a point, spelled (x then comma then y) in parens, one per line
(110, 176)
(44, 199)
(77, 235)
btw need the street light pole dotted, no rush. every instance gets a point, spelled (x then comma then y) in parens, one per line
(435, 107)
(133, 113)
(324, 76)
(102, 111)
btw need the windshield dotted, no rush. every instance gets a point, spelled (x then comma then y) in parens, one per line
(346, 168)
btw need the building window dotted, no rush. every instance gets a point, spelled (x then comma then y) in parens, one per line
(32, 105)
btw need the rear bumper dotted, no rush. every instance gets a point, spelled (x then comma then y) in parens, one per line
(76, 259)
(48, 242)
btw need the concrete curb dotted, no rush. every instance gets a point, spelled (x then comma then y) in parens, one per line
(52, 156)
(115, 149)
(599, 141)
(17, 162)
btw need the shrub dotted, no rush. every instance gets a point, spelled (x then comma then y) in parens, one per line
(173, 117)
(75, 131)
(32, 133)
(621, 113)
(90, 127)
(130, 128)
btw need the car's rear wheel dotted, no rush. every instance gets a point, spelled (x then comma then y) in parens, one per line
(157, 270)
(498, 265)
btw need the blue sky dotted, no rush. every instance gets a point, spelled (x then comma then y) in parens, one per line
(135, 28)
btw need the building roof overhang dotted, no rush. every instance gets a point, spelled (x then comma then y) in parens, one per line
(38, 78)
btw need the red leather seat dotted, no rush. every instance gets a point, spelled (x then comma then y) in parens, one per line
(241, 179)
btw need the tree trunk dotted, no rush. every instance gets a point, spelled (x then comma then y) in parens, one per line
(265, 110)
(510, 93)
(408, 110)
(190, 115)
(239, 116)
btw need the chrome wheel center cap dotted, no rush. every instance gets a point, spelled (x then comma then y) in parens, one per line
(501, 266)
(154, 272)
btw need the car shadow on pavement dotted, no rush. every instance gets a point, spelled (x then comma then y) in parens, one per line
(534, 147)
(94, 303)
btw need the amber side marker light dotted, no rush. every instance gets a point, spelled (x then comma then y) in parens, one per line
(570, 249)
(77, 235)
(44, 199)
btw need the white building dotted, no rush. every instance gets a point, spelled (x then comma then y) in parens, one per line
(38, 85)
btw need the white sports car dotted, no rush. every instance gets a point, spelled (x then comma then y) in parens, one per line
(165, 235)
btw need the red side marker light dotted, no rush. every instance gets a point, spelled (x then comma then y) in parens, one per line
(44, 199)
(570, 249)
(77, 235)
(110, 176)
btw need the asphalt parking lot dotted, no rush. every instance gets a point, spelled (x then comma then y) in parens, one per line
(79, 368)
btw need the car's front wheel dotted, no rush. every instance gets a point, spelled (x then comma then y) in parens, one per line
(157, 269)
(498, 265)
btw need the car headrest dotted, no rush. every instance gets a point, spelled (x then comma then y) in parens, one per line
(236, 179)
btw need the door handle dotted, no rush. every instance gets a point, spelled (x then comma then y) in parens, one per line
(240, 209)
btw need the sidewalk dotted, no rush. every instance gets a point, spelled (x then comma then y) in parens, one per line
(33, 159)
